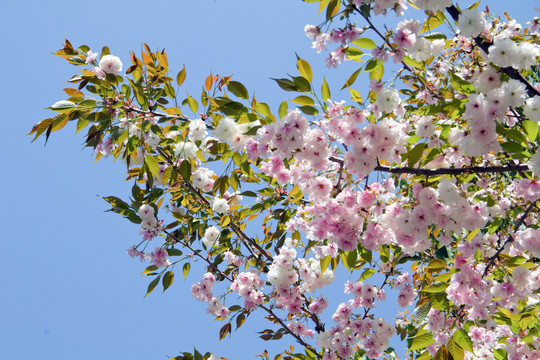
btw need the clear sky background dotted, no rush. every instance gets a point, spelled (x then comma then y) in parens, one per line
(68, 290)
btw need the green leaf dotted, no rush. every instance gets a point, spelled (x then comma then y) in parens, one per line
(169, 90)
(355, 95)
(531, 129)
(235, 308)
(436, 265)
(422, 311)
(325, 91)
(153, 164)
(377, 72)
(263, 108)
(442, 354)
(302, 84)
(192, 104)
(367, 274)
(282, 112)
(238, 89)
(474, 6)
(185, 269)
(515, 149)
(81, 124)
(225, 220)
(354, 53)
(366, 254)
(415, 154)
(77, 60)
(325, 262)
(351, 259)
(461, 85)
(500, 354)
(181, 77)
(185, 170)
(116, 203)
(286, 84)
(197, 355)
(59, 122)
(168, 279)
(309, 110)
(433, 21)
(332, 9)
(435, 36)
(150, 269)
(436, 287)
(303, 100)
(365, 43)
(421, 341)
(322, 5)
(174, 252)
(351, 79)
(411, 62)
(224, 331)
(240, 320)
(304, 69)
(371, 64)
(455, 350)
(463, 340)
(63, 106)
(152, 286)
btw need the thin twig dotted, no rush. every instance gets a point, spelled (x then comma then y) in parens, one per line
(199, 255)
(298, 338)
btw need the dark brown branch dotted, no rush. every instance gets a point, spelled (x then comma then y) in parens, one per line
(337, 187)
(445, 171)
(484, 45)
(453, 171)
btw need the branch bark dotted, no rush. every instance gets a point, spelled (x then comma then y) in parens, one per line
(445, 171)
(484, 45)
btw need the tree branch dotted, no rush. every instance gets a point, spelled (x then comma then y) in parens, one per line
(510, 238)
(445, 171)
(298, 338)
(197, 253)
(484, 45)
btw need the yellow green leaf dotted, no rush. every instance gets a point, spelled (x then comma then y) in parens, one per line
(421, 341)
(168, 279)
(325, 90)
(152, 286)
(185, 269)
(463, 340)
(304, 69)
(181, 76)
(153, 164)
(303, 100)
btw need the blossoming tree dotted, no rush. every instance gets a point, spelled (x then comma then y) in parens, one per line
(425, 182)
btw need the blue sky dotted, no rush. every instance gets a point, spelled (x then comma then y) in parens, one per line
(69, 291)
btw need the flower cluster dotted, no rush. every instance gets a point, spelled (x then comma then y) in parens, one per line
(202, 291)
(150, 226)
(249, 285)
